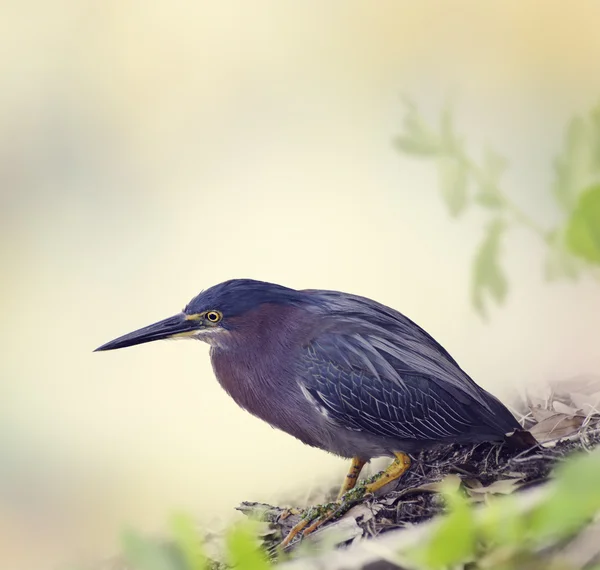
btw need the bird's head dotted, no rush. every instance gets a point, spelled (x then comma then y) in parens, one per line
(215, 312)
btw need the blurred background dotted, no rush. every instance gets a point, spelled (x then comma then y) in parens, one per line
(151, 150)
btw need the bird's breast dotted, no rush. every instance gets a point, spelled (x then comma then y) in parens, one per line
(243, 380)
(266, 389)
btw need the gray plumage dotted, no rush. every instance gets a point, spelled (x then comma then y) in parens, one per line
(339, 372)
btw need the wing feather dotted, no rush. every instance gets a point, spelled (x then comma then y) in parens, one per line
(363, 385)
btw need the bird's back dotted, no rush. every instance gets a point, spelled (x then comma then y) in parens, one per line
(374, 369)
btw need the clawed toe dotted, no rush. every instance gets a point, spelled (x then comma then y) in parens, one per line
(316, 517)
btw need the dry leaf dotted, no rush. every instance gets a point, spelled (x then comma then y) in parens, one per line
(340, 531)
(540, 414)
(568, 404)
(450, 483)
(564, 409)
(363, 511)
(473, 483)
(556, 426)
(500, 487)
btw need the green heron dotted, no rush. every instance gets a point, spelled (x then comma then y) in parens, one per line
(337, 371)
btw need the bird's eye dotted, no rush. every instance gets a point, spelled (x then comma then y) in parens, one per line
(213, 316)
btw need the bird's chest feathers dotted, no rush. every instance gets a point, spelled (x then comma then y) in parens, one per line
(257, 367)
(256, 384)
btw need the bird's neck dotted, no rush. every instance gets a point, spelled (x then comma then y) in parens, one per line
(259, 353)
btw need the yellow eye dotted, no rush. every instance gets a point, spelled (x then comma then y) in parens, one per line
(213, 316)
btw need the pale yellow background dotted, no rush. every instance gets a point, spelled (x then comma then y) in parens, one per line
(151, 149)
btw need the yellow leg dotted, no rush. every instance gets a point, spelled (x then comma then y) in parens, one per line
(353, 474)
(395, 470)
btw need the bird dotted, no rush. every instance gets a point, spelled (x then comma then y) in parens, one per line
(340, 372)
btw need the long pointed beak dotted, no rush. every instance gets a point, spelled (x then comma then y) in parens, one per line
(178, 325)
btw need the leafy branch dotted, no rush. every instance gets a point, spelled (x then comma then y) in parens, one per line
(573, 246)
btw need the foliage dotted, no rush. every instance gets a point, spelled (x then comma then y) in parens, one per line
(504, 533)
(508, 534)
(243, 548)
(572, 247)
(185, 551)
(487, 273)
(583, 228)
(188, 540)
(446, 546)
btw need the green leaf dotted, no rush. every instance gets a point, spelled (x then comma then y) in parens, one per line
(502, 523)
(583, 227)
(488, 180)
(243, 549)
(575, 500)
(560, 263)
(453, 178)
(146, 554)
(494, 164)
(416, 146)
(579, 164)
(454, 540)
(187, 539)
(418, 138)
(451, 143)
(488, 277)
(489, 200)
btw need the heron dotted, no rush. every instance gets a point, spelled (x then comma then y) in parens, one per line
(340, 372)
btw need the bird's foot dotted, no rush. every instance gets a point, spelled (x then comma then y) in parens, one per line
(317, 516)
